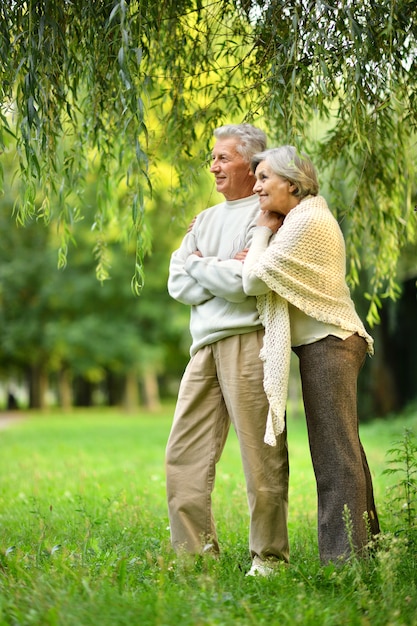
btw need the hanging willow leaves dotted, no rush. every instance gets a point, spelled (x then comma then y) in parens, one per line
(116, 85)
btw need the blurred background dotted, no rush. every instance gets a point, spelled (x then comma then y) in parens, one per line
(68, 339)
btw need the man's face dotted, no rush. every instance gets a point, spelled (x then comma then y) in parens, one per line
(234, 178)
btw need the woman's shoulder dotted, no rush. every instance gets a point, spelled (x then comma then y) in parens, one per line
(314, 209)
(313, 203)
(312, 218)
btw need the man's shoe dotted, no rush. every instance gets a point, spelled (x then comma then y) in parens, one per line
(261, 567)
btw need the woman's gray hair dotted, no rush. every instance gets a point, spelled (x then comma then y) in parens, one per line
(295, 166)
(251, 139)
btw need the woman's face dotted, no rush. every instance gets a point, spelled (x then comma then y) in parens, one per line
(275, 192)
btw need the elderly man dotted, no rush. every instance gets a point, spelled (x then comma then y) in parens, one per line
(223, 381)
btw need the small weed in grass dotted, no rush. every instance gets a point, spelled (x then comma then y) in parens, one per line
(403, 494)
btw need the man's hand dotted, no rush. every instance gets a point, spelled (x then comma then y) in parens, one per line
(241, 256)
(190, 227)
(197, 253)
(271, 220)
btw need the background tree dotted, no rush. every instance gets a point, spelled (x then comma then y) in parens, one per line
(88, 341)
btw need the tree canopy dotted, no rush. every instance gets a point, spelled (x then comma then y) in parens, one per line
(112, 86)
(66, 333)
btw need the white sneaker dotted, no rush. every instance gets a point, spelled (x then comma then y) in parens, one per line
(262, 567)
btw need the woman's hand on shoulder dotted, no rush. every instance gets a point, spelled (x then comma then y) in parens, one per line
(272, 220)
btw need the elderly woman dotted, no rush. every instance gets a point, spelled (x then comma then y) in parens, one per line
(296, 268)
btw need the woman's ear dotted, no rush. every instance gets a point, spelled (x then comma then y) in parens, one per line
(293, 188)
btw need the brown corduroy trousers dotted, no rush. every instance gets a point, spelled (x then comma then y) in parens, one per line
(329, 371)
(223, 384)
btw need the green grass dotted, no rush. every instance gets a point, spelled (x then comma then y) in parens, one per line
(84, 534)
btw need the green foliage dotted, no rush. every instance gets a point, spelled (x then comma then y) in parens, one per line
(65, 320)
(352, 64)
(112, 85)
(69, 74)
(84, 537)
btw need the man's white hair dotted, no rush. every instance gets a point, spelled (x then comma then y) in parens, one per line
(251, 139)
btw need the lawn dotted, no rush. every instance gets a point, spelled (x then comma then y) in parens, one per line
(84, 535)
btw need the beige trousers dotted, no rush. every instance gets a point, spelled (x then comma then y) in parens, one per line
(223, 384)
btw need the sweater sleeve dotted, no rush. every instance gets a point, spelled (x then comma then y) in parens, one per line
(252, 285)
(181, 285)
(222, 279)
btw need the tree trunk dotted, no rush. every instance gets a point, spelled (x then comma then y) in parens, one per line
(131, 392)
(65, 388)
(151, 391)
(37, 384)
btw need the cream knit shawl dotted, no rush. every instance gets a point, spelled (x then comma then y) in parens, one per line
(305, 265)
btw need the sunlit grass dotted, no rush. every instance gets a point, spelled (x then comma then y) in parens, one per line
(84, 533)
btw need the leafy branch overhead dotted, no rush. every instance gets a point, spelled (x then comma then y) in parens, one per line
(115, 87)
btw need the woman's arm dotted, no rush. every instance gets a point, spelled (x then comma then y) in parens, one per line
(252, 285)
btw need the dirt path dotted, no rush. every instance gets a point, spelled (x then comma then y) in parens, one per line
(7, 419)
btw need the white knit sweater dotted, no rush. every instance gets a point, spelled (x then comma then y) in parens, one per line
(305, 265)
